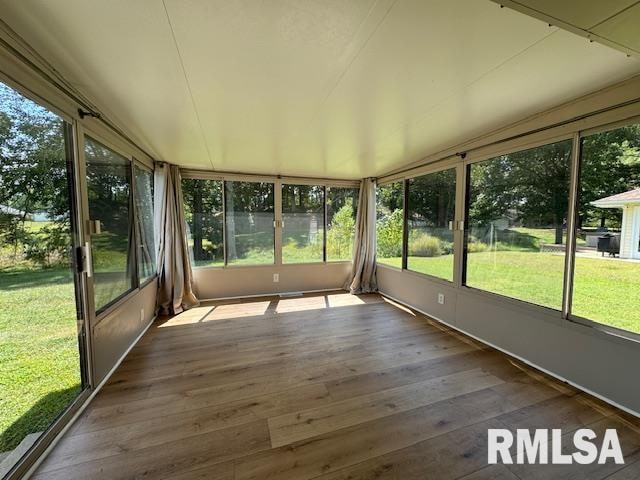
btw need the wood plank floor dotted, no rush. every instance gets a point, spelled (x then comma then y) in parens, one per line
(328, 386)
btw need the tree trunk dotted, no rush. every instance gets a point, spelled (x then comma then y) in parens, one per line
(559, 234)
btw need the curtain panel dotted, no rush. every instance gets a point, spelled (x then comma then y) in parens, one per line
(363, 274)
(175, 277)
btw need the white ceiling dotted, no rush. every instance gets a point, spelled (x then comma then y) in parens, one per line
(325, 88)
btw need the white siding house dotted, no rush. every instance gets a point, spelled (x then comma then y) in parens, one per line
(629, 202)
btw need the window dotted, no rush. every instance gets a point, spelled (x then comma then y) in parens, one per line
(389, 223)
(40, 361)
(108, 188)
(204, 215)
(516, 214)
(432, 204)
(144, 220)
(249, 226)
(303, 223)
(607, 254)
(342, 206)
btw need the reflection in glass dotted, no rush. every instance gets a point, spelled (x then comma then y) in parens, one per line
(108, 188)
(303, 223)
(249, 225)
(204, 215)
(144, 224)
(432, 204)
(516, 224)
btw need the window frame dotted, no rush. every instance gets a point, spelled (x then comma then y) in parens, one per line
(440, 166)
(405, 233)
(403, 180)
(576, 165)
(327, 187)
(324, 223)
(539, 142)
(82, 133)
(142, 166)
(575, 130)
(278, 182)
(109, 306)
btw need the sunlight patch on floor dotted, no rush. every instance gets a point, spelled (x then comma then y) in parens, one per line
(193, 315)
(237, 310)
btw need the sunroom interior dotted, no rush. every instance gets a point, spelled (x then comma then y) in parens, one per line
(316, 239)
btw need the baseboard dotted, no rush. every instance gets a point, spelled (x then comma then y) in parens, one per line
(518, 357)
(83, 407)
(273, 294)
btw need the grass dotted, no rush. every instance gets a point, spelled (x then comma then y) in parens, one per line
(39, 360)
(604, 290)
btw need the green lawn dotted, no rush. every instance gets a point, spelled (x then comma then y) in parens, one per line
(39, 360)
(604, 290)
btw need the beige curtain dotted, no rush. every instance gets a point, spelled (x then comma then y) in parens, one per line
(175, 278)
(363, 273)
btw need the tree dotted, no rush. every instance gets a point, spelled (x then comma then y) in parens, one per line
(610, 165)
(340, 233)
(530, 186)
(203, 213)
(33, 172)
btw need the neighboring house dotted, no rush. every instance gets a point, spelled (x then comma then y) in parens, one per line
(629, 202)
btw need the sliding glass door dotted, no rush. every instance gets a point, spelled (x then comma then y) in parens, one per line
(41, 327)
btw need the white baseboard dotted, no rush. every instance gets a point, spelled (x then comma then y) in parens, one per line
(86, 403)
(518, 357)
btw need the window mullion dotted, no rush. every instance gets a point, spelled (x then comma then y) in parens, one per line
(571, 226)
(405, 223)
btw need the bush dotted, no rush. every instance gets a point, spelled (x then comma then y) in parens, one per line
(389, 235)
(475, 246)
(48, 247)
(424, 245)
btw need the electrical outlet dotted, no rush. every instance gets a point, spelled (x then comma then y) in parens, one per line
(441, 298)
(142, 314)
(276, 277)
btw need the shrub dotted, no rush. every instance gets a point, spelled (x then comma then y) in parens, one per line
(424, 245)
(476, 246)
(48, 247)
(389, 235)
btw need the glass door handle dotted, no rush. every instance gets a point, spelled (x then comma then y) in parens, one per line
(87, 263)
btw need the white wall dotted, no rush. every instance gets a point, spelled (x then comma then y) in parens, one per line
(118, 329)
(239, 281)
(593, 360)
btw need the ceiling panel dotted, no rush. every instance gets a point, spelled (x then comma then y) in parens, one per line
(120, 53)
(623, 29)
(322, 88)
(580, 13)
